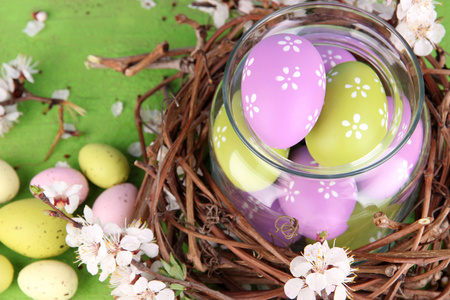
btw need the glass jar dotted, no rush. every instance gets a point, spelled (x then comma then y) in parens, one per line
(284, 193)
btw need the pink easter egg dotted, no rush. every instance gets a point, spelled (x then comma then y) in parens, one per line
(68, 175)
(332, 55)
(116, 204)
(388, 179)
(283, 89)
(262, 210)
(319, 205)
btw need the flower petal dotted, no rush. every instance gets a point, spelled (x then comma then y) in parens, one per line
(306, 294)
(156, 285)
(150, 249)
(300, 266)
(293, 287)
(165, 294)
(130, 243)
(316, 282)
(340, 293)
(124, 258)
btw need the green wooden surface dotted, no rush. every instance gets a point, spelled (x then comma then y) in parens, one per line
(75, 29)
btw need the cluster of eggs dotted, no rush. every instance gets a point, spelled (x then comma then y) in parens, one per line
(319, 107)
(27, 230)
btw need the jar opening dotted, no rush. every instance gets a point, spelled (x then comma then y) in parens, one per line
(371, 40)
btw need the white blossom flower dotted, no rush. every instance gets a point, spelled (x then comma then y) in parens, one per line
(40, 16)
(5, 90)
(245, 6)
(421, 38)
(320, 268)
(220, 12)
(23, 66)
(8, 116)
(144, 235)
(62, 164)
(152, 119)
(92, 248)
(64, 196)
(33, 27)
(154, 289)
(147, 4)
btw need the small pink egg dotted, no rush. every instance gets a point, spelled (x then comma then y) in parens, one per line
(283, 89)
(116, 204)
(332, 55)
(68, 175)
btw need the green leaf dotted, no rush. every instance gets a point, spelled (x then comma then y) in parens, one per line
(36, 190)
(177, 287)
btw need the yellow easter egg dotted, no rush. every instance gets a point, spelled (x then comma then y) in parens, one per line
(28, 230)
(48, 279)
(7, 273)
(103, 165)
(9, 182)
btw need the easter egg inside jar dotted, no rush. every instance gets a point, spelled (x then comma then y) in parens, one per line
(343, 129)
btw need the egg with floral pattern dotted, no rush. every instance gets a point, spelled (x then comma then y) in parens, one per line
(317, 204)
(240, 165)
(283, 89)
(353, 120)
(332, 56)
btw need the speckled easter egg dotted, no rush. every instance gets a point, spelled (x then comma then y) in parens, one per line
(332, 56)
(283, 88)
(318, 204)
(48, 279)
(116, 204)
(103, 165)
(240, 165)
(7, 273)
(353, 119)
(68, 175)
(9, 182)
(26, 229)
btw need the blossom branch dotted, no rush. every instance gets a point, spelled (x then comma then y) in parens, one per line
(39, 193)
(188, 284)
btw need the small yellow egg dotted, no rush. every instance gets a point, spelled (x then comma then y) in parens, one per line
(28, 230)
(7, 273)
(48, 279)
(103, 165)
(9, 182)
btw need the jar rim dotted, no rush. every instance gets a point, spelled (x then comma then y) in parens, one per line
(364, 164)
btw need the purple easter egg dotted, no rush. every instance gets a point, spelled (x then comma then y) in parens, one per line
(332, 55)
(404, 123)
(318, 205)
(302, 156)
(283, 89)
(262, 210)
(386, 180)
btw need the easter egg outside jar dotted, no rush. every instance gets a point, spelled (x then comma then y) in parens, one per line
(7, 273)
(245, 169)
(65, 187)
(103, 165)
(48, 279)
(9, 182)
(26, 229)
(116, 204)
(350, 125)
(283, 89)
